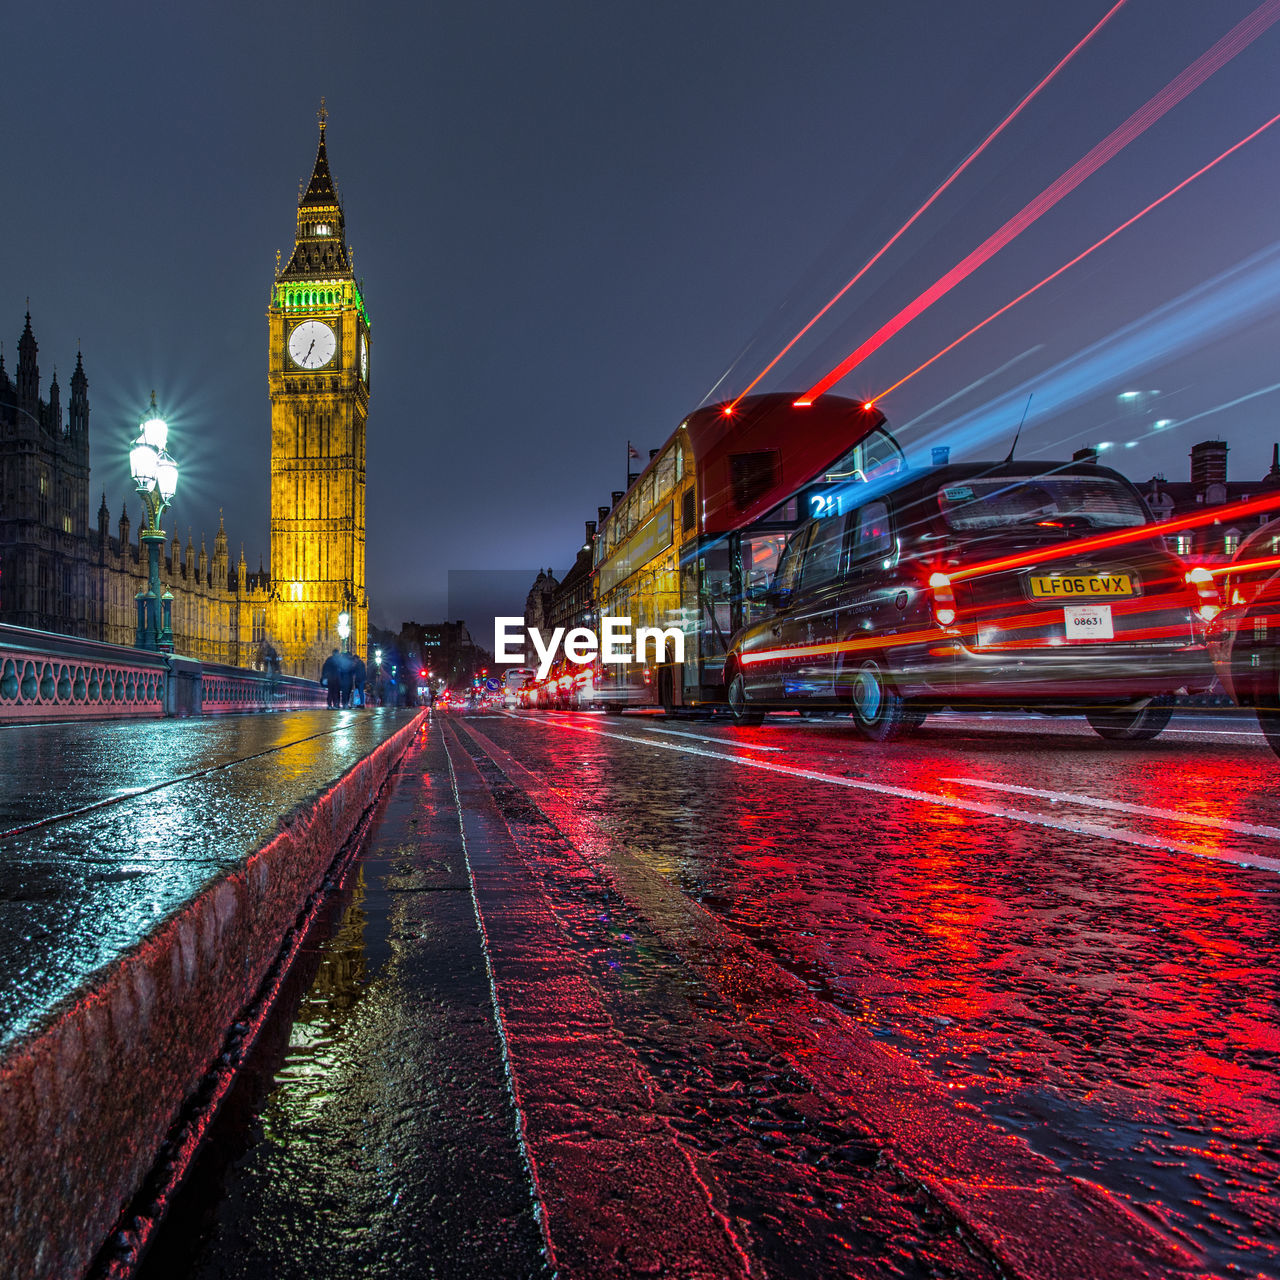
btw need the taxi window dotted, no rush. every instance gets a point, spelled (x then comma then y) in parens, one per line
(872, 535)
(822, 556)
(788, 574)
(1000, 502)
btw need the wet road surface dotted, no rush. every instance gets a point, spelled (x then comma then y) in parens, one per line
(106, 827)
(1079, 941)
(372, 1132)
(1000, 997)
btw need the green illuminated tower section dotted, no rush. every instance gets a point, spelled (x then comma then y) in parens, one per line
(318, 372)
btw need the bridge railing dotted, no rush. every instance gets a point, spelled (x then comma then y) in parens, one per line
(51, 677)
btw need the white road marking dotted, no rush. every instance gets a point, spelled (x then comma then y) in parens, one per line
(1220, 733)
(936, 798)
(704, 737)
(1120, 806)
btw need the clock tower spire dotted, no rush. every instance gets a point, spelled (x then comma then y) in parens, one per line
(318, 374)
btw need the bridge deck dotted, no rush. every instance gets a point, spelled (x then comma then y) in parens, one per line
(105, 828)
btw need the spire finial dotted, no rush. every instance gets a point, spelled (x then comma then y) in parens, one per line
(323, 114)
(154, 410)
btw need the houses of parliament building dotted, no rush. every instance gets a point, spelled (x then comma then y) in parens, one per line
(58, 573)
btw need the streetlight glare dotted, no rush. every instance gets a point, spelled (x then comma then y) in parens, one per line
(166, 476)
(155, 473)
(142, 464)
(155, 431)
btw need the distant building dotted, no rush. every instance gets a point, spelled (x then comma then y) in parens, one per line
(573, 600)
(446, 649)
(537, 610)
(1207, 488)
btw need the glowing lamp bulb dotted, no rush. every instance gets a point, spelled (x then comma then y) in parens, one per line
(155, 431)
(166, 476)
(142, 464)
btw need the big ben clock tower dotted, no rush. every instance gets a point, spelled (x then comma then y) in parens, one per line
(318, 371)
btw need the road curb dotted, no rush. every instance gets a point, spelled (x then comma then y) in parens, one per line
(87, 1096)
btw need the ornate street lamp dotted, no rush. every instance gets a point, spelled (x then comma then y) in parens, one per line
(156, 475)
(344, 629)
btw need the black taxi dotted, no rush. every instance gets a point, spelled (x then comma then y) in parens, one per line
(1044, 586)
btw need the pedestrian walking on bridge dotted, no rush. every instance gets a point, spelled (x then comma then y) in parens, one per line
(329, 677)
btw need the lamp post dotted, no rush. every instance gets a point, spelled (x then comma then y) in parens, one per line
(344, 629)
(156, 475)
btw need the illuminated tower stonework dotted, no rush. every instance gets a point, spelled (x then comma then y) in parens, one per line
(318, 354)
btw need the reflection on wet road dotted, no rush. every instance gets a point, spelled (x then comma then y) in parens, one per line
(106, 828)
(1079, 940)
(639, 997)
(370, 1134)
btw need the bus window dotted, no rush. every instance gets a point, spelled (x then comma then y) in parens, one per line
(666, 473)
(715, 597)
(878, 455)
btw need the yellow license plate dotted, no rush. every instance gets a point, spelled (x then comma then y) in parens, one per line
(1071, 586)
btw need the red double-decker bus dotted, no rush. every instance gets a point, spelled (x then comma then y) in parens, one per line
(692, 545)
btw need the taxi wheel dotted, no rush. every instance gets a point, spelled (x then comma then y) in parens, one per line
(742, 713)
(878, 708)
(1129, 724)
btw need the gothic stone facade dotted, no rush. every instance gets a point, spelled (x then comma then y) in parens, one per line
(57, 574)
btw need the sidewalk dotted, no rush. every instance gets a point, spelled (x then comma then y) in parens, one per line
(148, 874)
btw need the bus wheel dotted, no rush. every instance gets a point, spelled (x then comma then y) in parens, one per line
(742, 713)
(878, 708)
(666, 692)
(1132, 724)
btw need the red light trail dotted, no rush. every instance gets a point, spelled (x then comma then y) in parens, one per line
(1066, 266)
(1245, 566)
(906, 226)
(1189, 79)
(1122, 537)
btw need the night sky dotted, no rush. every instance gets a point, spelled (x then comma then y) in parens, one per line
(575, 222)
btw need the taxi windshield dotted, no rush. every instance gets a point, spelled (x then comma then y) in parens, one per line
(1001, 502)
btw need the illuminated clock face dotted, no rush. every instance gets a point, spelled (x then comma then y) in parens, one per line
(364, 357)
(312, 344)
